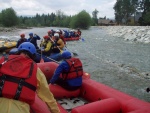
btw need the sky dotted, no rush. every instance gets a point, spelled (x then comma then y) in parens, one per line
(68, 7)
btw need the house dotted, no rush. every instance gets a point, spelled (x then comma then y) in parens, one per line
(105, 22)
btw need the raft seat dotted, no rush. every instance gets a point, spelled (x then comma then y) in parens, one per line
(60, 92)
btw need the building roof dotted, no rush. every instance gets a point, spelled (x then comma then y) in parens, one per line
(103, 21)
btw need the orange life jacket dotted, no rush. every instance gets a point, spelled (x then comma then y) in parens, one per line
(75, 70)
(18, 78)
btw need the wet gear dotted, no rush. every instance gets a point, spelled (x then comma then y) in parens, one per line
(27, 46)
(75, 69)
(18, 78)
(66, 54)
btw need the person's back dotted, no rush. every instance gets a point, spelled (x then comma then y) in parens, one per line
(79, 32)
(33, 39)
(20, 79)
(21, 40)
(71, 70)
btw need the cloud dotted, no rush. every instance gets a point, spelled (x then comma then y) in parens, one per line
(69, 7)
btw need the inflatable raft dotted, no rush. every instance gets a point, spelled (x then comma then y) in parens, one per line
(92, 97)
(72, 38)
(53, 57)
(7, 45)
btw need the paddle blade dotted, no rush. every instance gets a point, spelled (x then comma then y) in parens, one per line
(75, 54)
(41, 61)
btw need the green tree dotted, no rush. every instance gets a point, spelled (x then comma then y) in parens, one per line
(124, 9)
(118, 11)
(134, 7)
(81, 20)
(9, 17)
(147, 18)
(94, 18)
(0, 19)
(144, 5)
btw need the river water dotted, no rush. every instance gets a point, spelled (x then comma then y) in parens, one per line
(104, 47)
(110, 60)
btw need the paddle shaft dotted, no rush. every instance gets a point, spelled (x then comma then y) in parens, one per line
(56, 46)
(75, 54)
(50, 58)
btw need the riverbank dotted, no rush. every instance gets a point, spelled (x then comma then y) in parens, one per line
(139, 34)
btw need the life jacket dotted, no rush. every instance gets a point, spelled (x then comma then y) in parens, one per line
(18, 78)
(47, 53)
(21, 41)
(63, 39)
(55, 50)
(75, 69)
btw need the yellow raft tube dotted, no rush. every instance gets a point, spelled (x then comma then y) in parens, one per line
(7, 45)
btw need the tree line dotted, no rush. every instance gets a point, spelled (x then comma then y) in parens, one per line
(124, 9)
(9, 18)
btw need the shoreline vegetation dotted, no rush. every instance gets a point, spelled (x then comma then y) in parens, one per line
(11, 29)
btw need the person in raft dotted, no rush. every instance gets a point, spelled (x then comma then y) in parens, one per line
(21, 40)
(46, 46)
(21, 80)
(69, 73)
(33, 39)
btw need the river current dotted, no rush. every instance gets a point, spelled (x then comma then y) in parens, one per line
(103, 46)
(110, 60)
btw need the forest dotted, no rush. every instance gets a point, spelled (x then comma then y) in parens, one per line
(124, 10)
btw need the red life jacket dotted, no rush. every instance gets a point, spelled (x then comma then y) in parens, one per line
(75, 70)
(18, 78)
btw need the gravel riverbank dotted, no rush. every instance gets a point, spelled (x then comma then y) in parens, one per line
(130, 33)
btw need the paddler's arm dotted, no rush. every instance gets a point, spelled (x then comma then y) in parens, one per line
(61, 44)
(44, 93)
(48, 46)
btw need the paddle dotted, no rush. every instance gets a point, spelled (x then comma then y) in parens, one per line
(148, 89)
(50, 59)
(75, 54)
(56, 46)
(42, 60)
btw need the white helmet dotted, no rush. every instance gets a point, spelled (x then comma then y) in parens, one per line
(57, 31)
(56, 34)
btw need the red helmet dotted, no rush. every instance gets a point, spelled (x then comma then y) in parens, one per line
(49, 32)
(22, 35)
(46, 37)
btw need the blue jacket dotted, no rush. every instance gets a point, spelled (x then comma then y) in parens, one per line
(64, 66)
(33, 40)
(20, 41)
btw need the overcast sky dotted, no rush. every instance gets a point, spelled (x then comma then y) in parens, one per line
(68, 7)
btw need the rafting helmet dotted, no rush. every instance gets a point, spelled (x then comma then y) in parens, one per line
(66, 54)
(49, 32)
(46, 37)
(30, 34)
(27, 46)
(56, 35)
(58, 31)
(22, 35)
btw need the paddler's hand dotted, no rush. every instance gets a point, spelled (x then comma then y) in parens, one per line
(42, 49)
